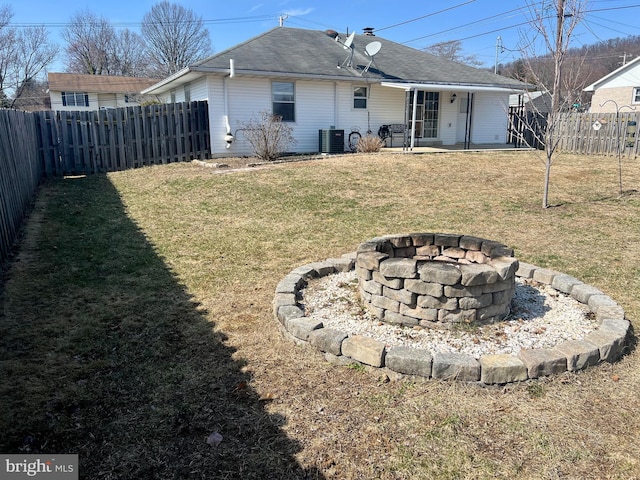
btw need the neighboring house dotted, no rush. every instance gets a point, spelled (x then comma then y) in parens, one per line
(73, 91)
(319, 80)
(621, 87)
(536, 102)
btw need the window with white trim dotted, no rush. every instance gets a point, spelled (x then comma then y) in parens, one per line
(360, 97)
(636, 95)
(283, 96)
(75, 99)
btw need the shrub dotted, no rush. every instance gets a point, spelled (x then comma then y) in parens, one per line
(268, 136)
(369, 144)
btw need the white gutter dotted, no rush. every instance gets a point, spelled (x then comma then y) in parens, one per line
(438, 87)
(167, 80)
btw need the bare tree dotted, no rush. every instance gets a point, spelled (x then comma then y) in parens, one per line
(129, 55)
(34, 96)
(552, 25)
(90, 41)
(33, 54)
(452, 50)
(24, 54)
(8, 53)
(176, 37)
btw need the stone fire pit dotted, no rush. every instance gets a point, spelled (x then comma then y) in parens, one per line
(427, 280)
(436, 279)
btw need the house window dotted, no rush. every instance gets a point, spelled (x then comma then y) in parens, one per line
(75, 99)
(187, 92)
(173, 96)
(360, 97)
(284, 100)
(636, 95)
(464, 103)
(127, 99)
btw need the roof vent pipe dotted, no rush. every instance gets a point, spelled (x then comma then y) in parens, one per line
(232, 68)
(368, 31)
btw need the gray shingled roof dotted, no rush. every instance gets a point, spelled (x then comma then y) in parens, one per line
(285, 51)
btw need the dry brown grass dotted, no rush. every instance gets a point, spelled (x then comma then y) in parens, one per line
(216, 246)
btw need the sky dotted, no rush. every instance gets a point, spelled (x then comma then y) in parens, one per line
(476, 23)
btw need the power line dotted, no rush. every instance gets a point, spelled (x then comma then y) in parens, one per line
(492, 17)
(425, 16)
(508, 27)
(215, 21)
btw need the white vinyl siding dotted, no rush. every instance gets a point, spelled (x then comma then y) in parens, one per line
(329, 104)
(489, 118)
(623, 79)
(199, 90)
(109, 100)
(315, 110)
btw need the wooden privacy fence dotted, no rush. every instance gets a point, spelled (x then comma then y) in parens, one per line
(599, 133)
(20, 173)
(525, 129)
(585, 133)
(75, 143)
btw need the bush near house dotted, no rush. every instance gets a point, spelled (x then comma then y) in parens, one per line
(268, 136)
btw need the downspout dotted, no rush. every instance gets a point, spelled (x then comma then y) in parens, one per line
(335, 104)
(413, 117)
(228, 138)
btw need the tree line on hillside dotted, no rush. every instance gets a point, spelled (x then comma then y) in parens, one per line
(171, 38)
(582, 67)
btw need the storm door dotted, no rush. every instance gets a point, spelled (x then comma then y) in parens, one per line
(427, 115)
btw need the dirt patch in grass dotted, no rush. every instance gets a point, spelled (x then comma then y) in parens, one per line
(138, 321)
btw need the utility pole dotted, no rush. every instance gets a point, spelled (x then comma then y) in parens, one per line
(282, 18)
(552, 120)
(498, 47)
(624, 57)
(555, 99)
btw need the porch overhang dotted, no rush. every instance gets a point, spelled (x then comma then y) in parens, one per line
(444, 87)
(448, 87)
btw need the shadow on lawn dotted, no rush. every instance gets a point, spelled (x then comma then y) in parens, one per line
(105, 354)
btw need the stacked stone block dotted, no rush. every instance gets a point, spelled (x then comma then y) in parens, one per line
(605, 344)
(434, 279)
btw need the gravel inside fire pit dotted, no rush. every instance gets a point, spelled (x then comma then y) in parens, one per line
(541, 317)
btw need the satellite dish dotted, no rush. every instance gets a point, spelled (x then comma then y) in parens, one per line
(372, 48)
(349, 41)
(347, 46)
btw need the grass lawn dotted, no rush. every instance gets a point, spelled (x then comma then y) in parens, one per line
(137, 321)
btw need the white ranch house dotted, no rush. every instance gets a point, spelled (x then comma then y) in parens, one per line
(320, 80)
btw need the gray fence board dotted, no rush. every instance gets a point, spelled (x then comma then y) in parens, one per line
(20, 173)
(575, 132)
(75, 143)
